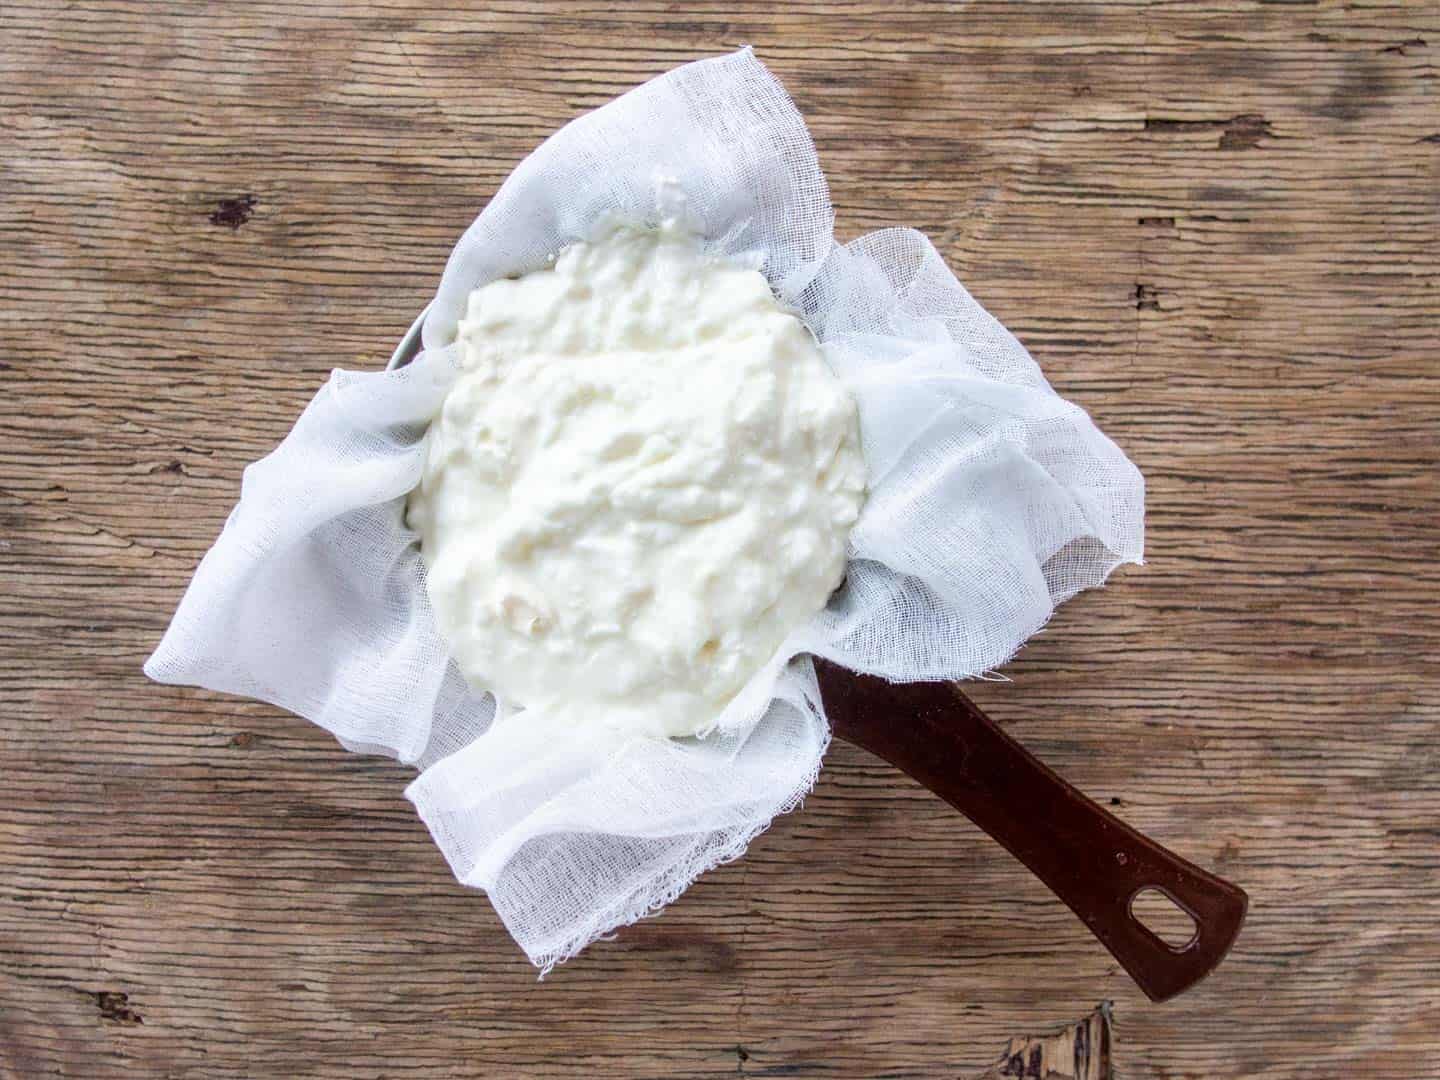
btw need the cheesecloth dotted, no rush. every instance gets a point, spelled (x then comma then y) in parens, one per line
(991, 500)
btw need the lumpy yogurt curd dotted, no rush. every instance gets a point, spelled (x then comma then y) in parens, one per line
(643, 479)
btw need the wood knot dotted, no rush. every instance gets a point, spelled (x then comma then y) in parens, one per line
(1244, 132)
(233, 213)
(115, 1006)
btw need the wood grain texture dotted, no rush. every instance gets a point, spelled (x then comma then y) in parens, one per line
(1078, 1051)
(1214, 224)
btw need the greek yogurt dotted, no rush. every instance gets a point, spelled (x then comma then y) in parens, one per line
(641, 482)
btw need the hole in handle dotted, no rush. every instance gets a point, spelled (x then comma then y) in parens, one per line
(1158, 912)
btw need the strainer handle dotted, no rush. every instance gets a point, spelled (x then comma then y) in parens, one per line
(1089, 858)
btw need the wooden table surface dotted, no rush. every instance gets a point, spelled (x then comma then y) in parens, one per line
(1215, 225)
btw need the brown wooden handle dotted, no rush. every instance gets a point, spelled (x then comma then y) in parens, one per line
(1088, 857)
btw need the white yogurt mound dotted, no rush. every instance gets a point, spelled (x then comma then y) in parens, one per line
(641, 482)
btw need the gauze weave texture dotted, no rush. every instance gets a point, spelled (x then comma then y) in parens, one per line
(991, 501)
